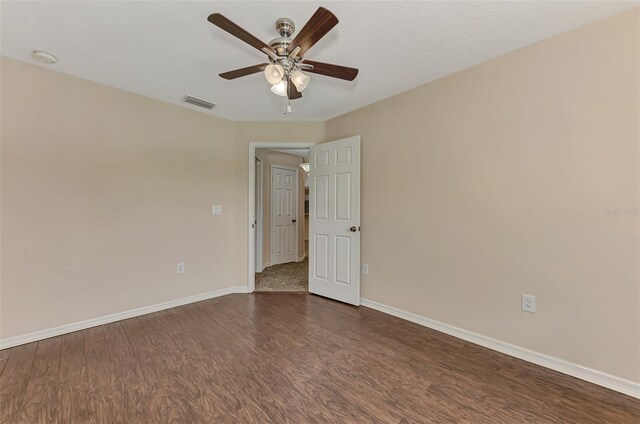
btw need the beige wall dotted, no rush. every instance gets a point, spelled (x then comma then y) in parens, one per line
(289, 132)
(513, 164)
(268, 158)
(105, 191)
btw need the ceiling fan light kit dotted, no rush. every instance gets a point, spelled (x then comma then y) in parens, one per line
(286, 55)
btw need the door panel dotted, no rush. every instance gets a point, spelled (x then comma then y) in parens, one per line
(321, 257)
(284, 213)
(335, 220)
(321, 197)
(343, 260)
(343, 196)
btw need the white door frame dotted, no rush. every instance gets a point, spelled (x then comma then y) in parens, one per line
(297, 200)
(259, 166)
(251, 272)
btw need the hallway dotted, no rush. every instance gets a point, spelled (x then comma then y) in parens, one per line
(291, 277)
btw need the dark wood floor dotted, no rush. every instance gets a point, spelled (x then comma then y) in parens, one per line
(285, 359)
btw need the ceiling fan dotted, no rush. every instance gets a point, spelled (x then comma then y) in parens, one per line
(286, 55)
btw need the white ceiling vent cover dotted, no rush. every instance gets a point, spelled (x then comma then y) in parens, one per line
(198, 102)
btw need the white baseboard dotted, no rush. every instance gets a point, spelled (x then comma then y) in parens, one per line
(240, 289)
(69, 328)
(600, 378)
(301, 258)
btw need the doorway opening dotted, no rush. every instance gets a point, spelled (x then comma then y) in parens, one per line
(334, 218)
(279, 220)
(282, 264)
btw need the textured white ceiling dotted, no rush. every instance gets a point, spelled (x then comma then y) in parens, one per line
(165, 49)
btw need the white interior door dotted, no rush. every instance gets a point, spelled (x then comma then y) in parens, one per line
(334, 220)
(284, 214)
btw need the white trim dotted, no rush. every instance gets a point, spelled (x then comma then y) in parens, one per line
(251, 269)
(241, 289)
(301, 258)
(69, 328)
(259, 210)
(600, 378)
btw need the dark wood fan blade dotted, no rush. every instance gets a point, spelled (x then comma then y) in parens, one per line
(235, 30)
(292, 91)
(237, 73)
(335, 71)
(320, 23)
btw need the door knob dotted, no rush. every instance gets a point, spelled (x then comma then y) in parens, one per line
(353, 229)
(294, 220)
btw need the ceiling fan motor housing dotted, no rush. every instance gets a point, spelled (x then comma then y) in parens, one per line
(286, 27)
(280, 45)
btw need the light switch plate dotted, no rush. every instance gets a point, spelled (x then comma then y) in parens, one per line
(217, 209)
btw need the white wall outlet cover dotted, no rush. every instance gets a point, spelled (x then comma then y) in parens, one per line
(528, 303)
(365, 269)
(180, 268)
(217, 209)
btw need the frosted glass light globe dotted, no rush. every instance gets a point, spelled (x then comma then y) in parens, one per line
(280, 89)
(274, 73)
(300, 80)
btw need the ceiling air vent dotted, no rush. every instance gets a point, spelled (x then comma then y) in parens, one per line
(199, 102)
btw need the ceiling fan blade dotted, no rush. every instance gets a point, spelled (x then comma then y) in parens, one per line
(234, 29)
(320, 23)
(237, 73)
(292, 91)
(335, 71)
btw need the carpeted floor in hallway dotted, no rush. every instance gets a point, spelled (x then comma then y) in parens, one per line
(291, 277)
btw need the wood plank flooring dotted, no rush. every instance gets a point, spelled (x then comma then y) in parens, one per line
(285, 359)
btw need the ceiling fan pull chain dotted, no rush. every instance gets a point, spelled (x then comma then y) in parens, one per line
(287, 108)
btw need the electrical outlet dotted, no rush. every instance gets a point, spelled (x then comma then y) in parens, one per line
(180, 268)
(365, 269)
(216, 210)
(528, 303)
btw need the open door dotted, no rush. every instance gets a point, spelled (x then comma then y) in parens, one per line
(334, 220)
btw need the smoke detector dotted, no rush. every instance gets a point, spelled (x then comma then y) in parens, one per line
(44, 57)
